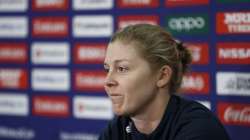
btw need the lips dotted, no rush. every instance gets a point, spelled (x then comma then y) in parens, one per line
(116, 98)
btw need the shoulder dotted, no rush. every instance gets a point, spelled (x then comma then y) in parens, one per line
(195, 121)
(114, 129)
(190, 108)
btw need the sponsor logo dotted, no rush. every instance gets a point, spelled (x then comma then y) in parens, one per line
(14, 104)
(44, 5)
(233, 22)
(124, 21)
(87, 26)
(232, 1)
(13, 52)
(50, 53)
(89, 53)
(51, 106)
(51, 79)
(92, 4)
(22, 133)
(78, 136)
(234, 113)
(233, 83)
(89, 80)
(138, 3)
(13, 5)
(11, 78)
(92, 107)
(207, 104)
(200, 52)
(50, 27)
(187, 24)
(13, 27)
(233, 53)
(196, 83)
(177, 3)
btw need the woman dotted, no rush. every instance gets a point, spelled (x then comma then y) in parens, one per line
(145, 66)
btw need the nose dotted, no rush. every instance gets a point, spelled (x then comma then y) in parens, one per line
(110, 80)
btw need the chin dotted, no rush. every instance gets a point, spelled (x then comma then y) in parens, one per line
(119, 113)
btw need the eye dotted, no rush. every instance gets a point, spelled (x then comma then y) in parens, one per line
(122, 69)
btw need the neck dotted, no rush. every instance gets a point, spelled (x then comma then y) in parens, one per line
(147, 121)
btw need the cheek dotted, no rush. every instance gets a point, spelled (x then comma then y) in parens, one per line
(129, 89)
(137, 94)
(136, 88)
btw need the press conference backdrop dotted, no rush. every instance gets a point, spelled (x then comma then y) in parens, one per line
(51, 53)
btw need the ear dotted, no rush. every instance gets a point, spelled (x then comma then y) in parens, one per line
(165, 74)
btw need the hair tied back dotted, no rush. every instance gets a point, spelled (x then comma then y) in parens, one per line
(184, 54)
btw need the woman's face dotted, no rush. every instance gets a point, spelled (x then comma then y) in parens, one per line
(130, 82)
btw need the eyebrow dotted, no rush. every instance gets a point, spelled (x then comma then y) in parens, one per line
(118, 61)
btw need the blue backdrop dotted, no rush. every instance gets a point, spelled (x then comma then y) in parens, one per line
(51, 54)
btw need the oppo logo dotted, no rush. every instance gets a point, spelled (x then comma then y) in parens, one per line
(186, 23)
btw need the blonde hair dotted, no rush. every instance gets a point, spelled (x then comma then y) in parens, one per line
(159, 48)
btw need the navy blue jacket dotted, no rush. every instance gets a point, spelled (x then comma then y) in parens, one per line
(183, 120)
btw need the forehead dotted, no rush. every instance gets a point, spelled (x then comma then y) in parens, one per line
(119, 50)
